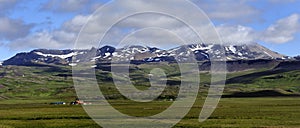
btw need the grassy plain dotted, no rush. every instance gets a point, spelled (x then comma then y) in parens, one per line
(231, 112)
(26, 94)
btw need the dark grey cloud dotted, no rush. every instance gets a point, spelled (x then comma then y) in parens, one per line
(11, 29)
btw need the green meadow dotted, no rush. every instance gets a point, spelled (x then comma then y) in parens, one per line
(26, 94)
(231, 112)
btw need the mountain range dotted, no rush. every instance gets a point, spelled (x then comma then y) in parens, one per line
(143, 54)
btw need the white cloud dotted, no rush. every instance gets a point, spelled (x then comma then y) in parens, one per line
(64, 37)
(13, 28)
(96, 26)
(55, 40)
(218, 10)
(148, 20)
(237, 34)
(229, 10)
(95, 6)
(75, 24)
(283, 30)
(37, 40)
(155, 37)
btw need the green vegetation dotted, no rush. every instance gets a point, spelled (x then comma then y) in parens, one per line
(35, 83)
(231, 112)
(286, 81)
(26, 94)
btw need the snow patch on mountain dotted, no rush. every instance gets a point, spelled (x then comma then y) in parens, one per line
(200, 47)
(140, 54)
(232, 49)
(59, 56)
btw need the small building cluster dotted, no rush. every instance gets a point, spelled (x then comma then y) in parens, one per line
(76, 102)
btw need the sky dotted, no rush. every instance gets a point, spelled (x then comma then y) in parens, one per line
(55, 24)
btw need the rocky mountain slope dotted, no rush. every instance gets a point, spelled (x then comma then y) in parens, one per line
(141, 54)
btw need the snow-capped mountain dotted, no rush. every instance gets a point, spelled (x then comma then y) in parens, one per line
(141, 54)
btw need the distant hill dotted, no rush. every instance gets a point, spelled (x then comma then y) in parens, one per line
(141, 54)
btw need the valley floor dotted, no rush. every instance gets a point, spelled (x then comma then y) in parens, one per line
(271, 97)
(231, 112)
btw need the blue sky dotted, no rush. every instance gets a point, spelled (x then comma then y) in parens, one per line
(54, 24)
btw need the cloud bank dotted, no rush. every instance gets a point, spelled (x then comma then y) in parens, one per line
(281, 31)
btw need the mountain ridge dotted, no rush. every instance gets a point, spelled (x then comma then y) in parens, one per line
(145, 54)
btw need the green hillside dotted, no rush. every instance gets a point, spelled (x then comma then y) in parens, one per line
(55, 82)
(26, 94)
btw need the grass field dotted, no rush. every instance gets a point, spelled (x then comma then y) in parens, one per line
(231, 112)
(26, 94)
